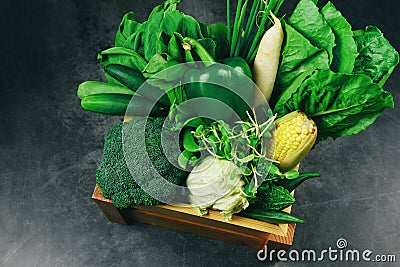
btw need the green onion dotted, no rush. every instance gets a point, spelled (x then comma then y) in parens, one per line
(243, 38)
(241, 19)
(236, 29)
(249, 27)
(228, 20)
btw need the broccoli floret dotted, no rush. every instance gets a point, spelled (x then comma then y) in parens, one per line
(114, 177)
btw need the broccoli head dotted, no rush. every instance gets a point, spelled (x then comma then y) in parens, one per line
(124, 154)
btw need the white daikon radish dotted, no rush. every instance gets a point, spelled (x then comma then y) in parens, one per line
(266, 62)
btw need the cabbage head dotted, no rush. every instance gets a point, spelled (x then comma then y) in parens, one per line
(216, 183)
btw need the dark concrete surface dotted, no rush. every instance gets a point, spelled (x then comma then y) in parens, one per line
(50, 147)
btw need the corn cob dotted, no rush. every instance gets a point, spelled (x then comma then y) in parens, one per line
(295, 136)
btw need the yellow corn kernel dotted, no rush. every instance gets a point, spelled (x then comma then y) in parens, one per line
(295, 136)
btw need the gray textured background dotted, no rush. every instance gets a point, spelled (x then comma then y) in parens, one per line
(50, 147)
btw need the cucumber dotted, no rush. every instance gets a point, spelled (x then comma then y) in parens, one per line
(95, 88)
(126, 76)
(275, 217)
(109, 104)
(133, 80)
(117, 104)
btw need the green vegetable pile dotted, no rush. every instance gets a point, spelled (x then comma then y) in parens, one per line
(321, 78)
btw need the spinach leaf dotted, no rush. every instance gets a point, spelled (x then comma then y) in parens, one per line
(152, 32)
(158, 63)
(175, 50)
(122, 56)
(340, 104)
(307, 20)
(171, 21)
(127, 27)
(298, 56)
(345, 51)
(218, 33)
(135, 41)
(209, 45)
(377, 57)
(189, 27)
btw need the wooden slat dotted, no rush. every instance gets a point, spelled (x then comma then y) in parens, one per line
(239, 230)
(109, 210)
(215, 218)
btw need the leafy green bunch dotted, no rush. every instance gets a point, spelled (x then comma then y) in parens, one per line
(333, 74)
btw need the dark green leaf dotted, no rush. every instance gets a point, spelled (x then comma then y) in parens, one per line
(158, 63)
(122, 56)
(127, 27)
(377, 57)
(152, 32)
(340, 104)
(189, 143)
(134, 42)
(184, 158)
(189, 27)
(218, 32)
(209, 45)
(345, 51)
(175, 50)
(170, 22)
(307, 20)
(298, 56)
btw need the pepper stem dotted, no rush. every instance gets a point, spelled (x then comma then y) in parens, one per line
(191, 44)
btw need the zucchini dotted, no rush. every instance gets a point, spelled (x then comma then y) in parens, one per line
(275, 217)
(95, 88)
(126, 76)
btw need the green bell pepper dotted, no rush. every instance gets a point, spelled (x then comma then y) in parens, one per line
(230, 83)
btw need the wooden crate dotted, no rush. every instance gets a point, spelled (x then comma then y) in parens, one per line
(239, 230)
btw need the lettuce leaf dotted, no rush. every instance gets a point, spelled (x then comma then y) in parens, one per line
(345, 51)
(307, 20)
(377, 57)
(340, 104)
(298, 56)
